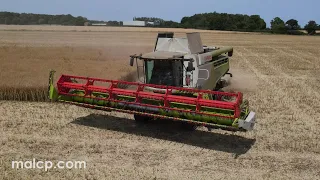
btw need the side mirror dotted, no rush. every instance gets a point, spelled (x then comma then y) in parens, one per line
(190, 67)
(131, 61)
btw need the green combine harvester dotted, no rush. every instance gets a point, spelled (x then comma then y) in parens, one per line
(180, 80)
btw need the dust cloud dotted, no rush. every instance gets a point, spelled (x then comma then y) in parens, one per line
(240, 82)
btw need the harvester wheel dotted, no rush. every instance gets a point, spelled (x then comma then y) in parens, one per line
(188, 126)
(141, 119)
(217, 97)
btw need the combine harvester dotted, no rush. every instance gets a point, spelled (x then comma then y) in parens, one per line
(182, 80)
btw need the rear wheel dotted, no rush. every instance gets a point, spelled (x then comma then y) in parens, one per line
(141, 119)
(221, 84)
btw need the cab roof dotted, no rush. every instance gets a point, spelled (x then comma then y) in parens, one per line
(163, 55)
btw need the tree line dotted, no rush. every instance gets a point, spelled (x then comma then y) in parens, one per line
(292, 26)
(237, 22)
(210, 21)
(10, 18)
(224, 21)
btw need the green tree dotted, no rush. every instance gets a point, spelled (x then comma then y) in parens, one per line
(170, 24)
(293, 24)
(41, 21)
(8, 20)
(263, 24)
(65, 20)
(23, 19)
(278, 26)
(184, 20)
(113, 23)
(52, 21)
(15, 20)
(224, 21)
(311, 27)
(28, 18)
(80, 21)
(256, 23)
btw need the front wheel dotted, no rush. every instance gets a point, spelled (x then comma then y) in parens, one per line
(141, 119)
(188, 126)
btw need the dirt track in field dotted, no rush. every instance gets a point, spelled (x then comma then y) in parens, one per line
(279, 75)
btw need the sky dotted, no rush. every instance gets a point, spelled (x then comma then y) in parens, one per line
(125, 10)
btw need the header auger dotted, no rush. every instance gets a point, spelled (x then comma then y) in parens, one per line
(181, 81)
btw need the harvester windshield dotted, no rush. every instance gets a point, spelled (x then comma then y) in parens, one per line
(164, 72)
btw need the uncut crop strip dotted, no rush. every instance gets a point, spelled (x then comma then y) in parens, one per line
(38, 94)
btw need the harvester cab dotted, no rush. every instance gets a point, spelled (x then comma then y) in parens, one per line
(184, 62)
(180, 80)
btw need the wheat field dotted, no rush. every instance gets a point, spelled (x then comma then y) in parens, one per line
(278, 74)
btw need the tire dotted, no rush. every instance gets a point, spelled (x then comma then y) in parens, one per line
(188, 126)
(141, 119)
(216, 97)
